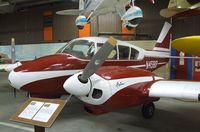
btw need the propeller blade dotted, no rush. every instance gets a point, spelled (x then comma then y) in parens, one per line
(98, 59)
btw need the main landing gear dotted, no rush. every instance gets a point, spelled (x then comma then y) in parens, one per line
(148, 110)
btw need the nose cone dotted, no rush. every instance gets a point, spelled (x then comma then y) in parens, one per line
(15, 79)
(73, 86)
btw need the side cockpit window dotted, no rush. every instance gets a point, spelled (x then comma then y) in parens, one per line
(83, 49)
(123, 52)
(134, 54)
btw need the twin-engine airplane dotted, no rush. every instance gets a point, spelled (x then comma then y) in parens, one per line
(45, 76)
(88, 9)
(178, 6)
(107, 88)
(104, 89)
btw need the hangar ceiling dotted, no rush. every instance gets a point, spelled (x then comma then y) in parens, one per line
(9, 6)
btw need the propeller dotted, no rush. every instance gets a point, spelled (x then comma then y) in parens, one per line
(79, 84)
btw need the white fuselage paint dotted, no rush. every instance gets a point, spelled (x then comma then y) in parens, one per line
(19, 79)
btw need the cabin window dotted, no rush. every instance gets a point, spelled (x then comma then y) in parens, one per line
(134, 54)
(123, 52)
(80, 48)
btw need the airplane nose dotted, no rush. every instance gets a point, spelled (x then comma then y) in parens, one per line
(15, 79)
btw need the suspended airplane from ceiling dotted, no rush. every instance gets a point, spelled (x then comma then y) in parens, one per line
(45, 76)
(108, 88)
(130, 14)
(190, 45)
(178, 6)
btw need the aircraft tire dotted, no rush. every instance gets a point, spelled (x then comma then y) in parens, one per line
(148, 110)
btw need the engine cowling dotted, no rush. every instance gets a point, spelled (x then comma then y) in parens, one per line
(132, 17)
(81, 21)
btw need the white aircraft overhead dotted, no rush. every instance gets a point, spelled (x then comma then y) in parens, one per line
(88, 9)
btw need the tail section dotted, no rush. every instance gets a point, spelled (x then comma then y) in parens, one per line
(163, 42)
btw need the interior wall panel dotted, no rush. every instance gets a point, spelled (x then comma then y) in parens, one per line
(109, 23)
(26, 27)
(186, 27)
(152, 22)
(64, 28)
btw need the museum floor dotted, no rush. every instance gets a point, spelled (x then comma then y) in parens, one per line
(171, 115)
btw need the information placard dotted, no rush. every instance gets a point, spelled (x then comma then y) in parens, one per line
(39, 112)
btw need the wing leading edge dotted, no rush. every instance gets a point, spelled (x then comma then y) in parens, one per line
(176, 89)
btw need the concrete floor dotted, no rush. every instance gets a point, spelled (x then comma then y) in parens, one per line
(171, 115)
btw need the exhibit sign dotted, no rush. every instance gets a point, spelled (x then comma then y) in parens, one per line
(39, 112)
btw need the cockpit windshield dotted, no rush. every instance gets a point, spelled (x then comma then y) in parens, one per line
(83, 49)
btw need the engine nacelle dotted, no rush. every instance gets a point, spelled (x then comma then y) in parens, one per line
(132, 17)
(81, 21)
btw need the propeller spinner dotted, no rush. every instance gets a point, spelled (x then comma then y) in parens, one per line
(79, 84)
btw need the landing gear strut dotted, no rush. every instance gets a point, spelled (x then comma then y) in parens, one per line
(148, 110)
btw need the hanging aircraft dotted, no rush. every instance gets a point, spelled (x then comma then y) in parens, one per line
(178, 6)
(45, 76)
(108, 88)
(131, 15)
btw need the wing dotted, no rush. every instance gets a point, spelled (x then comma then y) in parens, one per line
(175, 89)
(72, 12)
(107, 6)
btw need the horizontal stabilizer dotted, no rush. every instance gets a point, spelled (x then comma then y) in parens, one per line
(176, 89)
(73, 12)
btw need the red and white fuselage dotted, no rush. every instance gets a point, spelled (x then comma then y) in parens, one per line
(45, 76)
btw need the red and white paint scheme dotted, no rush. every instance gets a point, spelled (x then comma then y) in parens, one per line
(45, 76)
(112, 88)
(105, 89)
